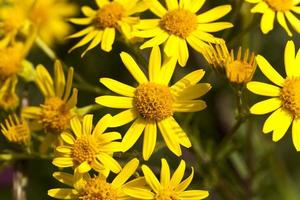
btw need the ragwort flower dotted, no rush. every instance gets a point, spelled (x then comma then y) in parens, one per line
(285, 96)
(152, 103)
(90, 148)
(179, 24)
(103, 23)
(168, 188)
(282, 9)
(86, 187)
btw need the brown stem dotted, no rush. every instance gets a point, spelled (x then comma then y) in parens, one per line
(19, 182)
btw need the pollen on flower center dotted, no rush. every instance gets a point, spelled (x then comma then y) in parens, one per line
(83, 150)
(290, 96)
(109, 15)
(179, 22)
(153, 101)
(55, 116)
(280, 5)
(98, 189)
(167, 194)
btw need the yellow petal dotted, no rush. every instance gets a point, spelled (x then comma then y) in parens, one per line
(139, 193)
(183, 138)
(82, 32)
(126, 173)
(97, 39)
(65, 178)
(171, 46)
(296, 134)
(185, 184)
(63, 162)
(263, 89)
(293, 21)
(167, 70)
(196, 5)
(85, 40)
(267, 21)
(172, 4)
(156, 7)
(133, 134)
(289, 59)
(178, 174)
(183, 52)
(149, 142)
(109, 162)
(123, 118)
(269, 71)
(118, 87)
(194, 194)
(87, 11)
(151, 179)
(133, 68)
(156, 41)
(154, 65)
(102, 3)
(84, 167)
(147, 24)
(214, 27)
(102, 124)
(81, 21)
(164, 173)
(63, 193)
(87, 124)
(149, 33)
(214, 14)
(108, 39)
(266, 106)
(261, 7)
(189, 105)
(281, 20)
(284, 121)
(76, 126)
(193, 92)
(115, 101)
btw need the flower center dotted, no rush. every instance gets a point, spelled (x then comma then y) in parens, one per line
(98, 189)
(240, 71)
(83, 150)
(290, 96)
(166, 194)
(280, 5)
(55, 116)
(10, 61)
(109, 15)
(153, 101)
(179, 22)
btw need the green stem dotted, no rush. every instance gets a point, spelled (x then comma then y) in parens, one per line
(83, 84)
(24, 156)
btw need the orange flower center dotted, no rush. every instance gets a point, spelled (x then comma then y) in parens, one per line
(83, 150)
(55, 117)
(98, 189)
(290, 96)
(179, 22)
(167, 194)
(153, 101)
(109, 15)
(280, 5)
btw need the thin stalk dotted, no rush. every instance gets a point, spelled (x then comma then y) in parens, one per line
(20, 181)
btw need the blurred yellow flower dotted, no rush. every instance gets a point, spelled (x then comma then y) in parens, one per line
(152, 103)
(57, 110)
(9, 100)
(16, 130)
(111, 16)
(168, 188)
(239, 69)
(97, 187)
(285, 96)
(91, 148)
(179, 25)
(282, 9)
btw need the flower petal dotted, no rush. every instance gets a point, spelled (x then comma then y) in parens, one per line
(267, 21)
(164, 173)
(118, 87)
(194, 194)
(65, 178)
(115, 101)
(108, 39)
(133, 134)
(296, 134)
(214, 14)
(289, 59)
(189, 105)
(149, 142)
(151, 179)
(123, 118)
(62, 193)
(154, 65)
(266, 106)
(263, 89)
(109, 162)
(127, 171)
(178, 174)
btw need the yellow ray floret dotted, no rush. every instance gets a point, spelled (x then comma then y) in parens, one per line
(283, 10)
(57, 110)
(169, 187)
(153, 102)
(284, 101)
(179, 25)
(98, 187)
(16, 130)
(102, 24)
(89, 148)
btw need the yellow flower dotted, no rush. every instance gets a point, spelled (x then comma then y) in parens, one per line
(11, 60)
(152, 103)
(179, 25)
(103, 22)
(168, 187)
(239, 69)
(283, 9)
(15, 129)
(9, 100)
(88, 188)
(285, 96)
(57, 110)
(91, 148)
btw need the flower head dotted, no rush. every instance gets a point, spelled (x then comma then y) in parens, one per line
(168, 188)
(285, 96)
(282, 9)
(90, 148)
(111, 16)
(16, 130)
(91, 188)
(57, 110)
(153, 103)
(179, 24)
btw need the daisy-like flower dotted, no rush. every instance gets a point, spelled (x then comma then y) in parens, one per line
(285, 96)
(91, 188)
(111, 16)
(90, 148)
(282, 9)
(179, 24)
(239, 68)
(55, 113)
(16, 130)
(152, 103)
(168, 187)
